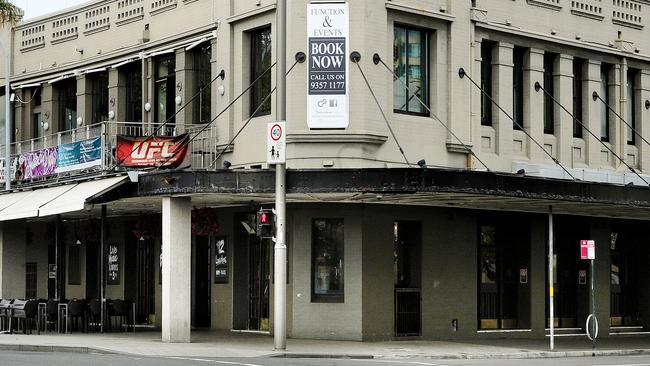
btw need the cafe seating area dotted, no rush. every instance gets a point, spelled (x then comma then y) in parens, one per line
(65, 316)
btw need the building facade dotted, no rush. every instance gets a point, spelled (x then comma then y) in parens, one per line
(379, 246)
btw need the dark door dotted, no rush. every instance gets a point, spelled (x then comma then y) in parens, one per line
(202, 282)
(145, 301)
(407, 268)
(92, 270)
(624, 300)
(258, 286)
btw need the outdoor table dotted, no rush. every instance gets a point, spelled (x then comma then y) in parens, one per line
(63, 314)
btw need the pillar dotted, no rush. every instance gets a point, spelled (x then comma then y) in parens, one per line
(534, 103)
(502, 70)
(116, 94)
(184, 78)
(49, 106)
(537, 275)
(563, 121)
(643, 125)
(592, 111)
(84, 100)
(176, 269)
(601, 234)
(12, 260)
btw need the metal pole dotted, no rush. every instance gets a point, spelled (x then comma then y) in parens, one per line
(102, 287)
(280, 250)
(8, 127)
(593, 307)
(56, 257)
(551, 292)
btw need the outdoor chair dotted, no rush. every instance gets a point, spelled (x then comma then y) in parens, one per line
(51, 314)
(122, 310)
(95, 314)
(77, 313)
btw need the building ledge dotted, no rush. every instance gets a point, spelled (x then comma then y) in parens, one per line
(336, 137)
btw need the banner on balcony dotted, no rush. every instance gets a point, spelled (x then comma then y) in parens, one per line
(142, 152)
(79, 155)
(39, 163)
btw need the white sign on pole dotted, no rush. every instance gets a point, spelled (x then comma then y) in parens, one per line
(276, 143)
(328, 33)
(587, 249)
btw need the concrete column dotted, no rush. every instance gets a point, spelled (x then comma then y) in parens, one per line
(116, 94)
(12, 260)
(615, 92)
(184, 76)
(601, 233)
(49, 106)
(643, 125)
(148, 92)
(537, 275)
(502, 70)
(176, 270)
(592, 112)
(22, 122)
(534, 102)
(84, 100)
(563, 121)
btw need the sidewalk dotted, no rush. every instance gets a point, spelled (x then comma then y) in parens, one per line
(235, 345)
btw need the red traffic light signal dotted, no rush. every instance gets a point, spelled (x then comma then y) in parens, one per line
(264, 218)
(265, 223)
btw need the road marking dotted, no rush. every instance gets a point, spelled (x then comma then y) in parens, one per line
(404, 362)
(631, 364)
(214, 361)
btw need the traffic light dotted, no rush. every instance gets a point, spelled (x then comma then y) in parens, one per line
(265, 223)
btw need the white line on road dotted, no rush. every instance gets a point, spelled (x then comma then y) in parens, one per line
(404, 362)
(631, 364)
(213, 361)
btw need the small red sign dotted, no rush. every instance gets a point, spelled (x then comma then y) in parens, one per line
(587, 249)
(166, 151)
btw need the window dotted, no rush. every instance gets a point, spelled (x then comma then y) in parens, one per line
(260, 63)
(604, 94)
(67, 100)
(99, 95)
(518, 88)
(165, 88)
(577, 97)
(630, 106)
(202, 79)
(327, 260)
(74, 263)
(549, 86)
(486, 82)
(36, 125)
(133, 85)
(410, 64)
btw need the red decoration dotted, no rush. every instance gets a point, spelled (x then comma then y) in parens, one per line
(205, 221)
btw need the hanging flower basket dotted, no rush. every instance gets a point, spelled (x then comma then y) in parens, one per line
(205, 221)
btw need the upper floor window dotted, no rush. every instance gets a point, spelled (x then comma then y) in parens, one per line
(578, 99)
(67, 102)
(99, 95)
(549, 86)
(631, 105)
(487, 48)
(132, 74)
(165, 89)
(604, 94)
(518, 88)
(202, 80)
(260, 43)
(411, 66)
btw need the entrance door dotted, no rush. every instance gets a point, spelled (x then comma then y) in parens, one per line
(258, 285)
(146, 266)
(202, 282)
(92, 270)
(624, 303)
(407, 265)
(504, 291)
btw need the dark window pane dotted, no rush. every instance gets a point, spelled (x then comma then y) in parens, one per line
(549, 86)
(260, 62)
(327, 260)
(164, 93)
(133, 85)
(99, 95)
(518, 88)
(486, 82)
(604, 94)
(67, 101)
(202, 79)
(410, 64)
(630, 106)
(577, 97)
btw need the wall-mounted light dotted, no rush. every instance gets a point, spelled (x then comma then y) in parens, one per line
(178, 100)
(147, 107)
(45, 125)
(221, 90)
(226, 164)
(80, 121)
(111, 114)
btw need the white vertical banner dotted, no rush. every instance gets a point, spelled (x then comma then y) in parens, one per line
(328, 33)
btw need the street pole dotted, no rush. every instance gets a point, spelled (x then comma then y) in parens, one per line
(593, 309)
(8, 127)
(280, 249)
(551, 292)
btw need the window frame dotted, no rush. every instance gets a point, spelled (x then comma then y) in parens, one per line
(205, 96)
(169, 81)
(631, 114)
(256, 90)
(67, 97)
(132, 92)
(549, 86)
(487, 48)
(578, 97)
(99, 97)
(518, 60)
(425, 56)
(339, 295)
(605, 70)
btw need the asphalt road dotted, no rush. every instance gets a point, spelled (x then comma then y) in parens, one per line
(76, 359)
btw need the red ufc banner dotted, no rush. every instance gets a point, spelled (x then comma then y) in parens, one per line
(143, 152)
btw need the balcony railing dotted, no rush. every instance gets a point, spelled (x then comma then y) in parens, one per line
(40, 160)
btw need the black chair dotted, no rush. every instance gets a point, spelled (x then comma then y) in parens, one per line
(5, 313)
(122, 310)
(95, 314)
(51, 314)
(77, 313)
(25, 311)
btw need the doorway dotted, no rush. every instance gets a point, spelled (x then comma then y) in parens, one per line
(92, 272)
(408, 279)
(624, 294)
(258, 286)
(202, 277)
(145, 303)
